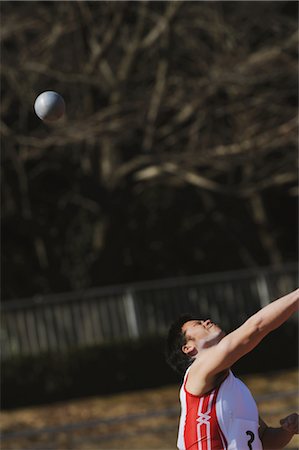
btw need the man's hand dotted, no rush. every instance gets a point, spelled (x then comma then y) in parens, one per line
(290, 423)
(278, 438)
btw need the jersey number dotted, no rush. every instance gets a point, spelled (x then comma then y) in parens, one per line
(251, 439)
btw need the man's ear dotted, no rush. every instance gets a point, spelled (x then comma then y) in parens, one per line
(189, 349)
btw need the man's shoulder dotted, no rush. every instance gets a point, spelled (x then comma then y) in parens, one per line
(198, 383)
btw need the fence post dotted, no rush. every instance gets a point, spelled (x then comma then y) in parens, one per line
(263, 291)
(131, 316)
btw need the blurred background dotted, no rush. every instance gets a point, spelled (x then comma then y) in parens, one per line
(170, 185)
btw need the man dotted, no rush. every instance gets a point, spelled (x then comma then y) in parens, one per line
(218, 411)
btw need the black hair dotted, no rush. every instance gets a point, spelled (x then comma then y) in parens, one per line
(176, 338)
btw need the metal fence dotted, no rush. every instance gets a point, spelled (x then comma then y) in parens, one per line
(97, 316)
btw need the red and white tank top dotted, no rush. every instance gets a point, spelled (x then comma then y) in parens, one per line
(225, 418)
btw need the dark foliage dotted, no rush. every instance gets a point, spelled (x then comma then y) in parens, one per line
(118, 368)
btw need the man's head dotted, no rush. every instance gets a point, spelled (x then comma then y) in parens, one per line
(187, 336)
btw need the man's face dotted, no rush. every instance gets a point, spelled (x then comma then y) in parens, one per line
(201, 334)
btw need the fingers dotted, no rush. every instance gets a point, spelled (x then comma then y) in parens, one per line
(290, 423)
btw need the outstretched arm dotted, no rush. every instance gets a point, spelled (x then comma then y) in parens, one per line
(278, 438)
(245, 338)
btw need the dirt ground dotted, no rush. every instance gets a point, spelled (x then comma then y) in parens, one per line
(143, 420)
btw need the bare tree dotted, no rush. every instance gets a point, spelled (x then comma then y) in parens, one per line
(171, 94)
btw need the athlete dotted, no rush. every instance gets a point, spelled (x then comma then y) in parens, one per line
(218, 411)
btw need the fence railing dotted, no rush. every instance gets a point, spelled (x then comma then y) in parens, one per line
(96, 316)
